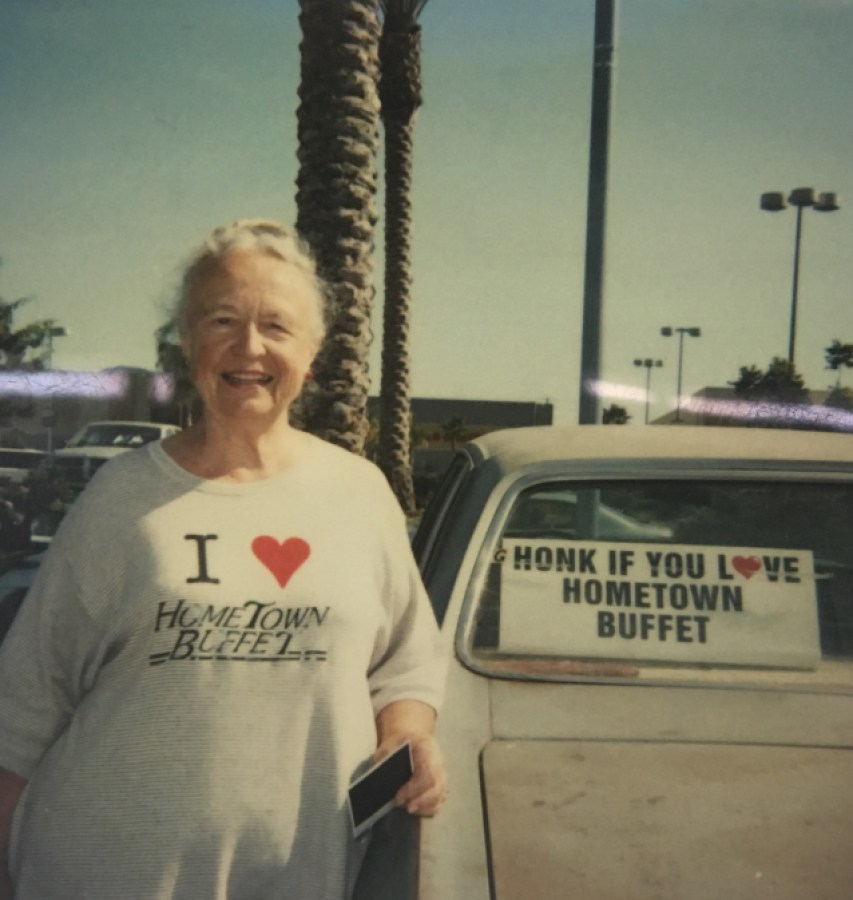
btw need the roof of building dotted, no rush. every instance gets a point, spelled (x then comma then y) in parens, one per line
(477, 413)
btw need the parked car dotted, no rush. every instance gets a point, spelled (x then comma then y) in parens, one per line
(17, 463)
(97, 442)
(665, 712)
(14, 536)
(44, 526)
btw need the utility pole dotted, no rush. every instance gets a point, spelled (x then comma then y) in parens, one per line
(599, 145)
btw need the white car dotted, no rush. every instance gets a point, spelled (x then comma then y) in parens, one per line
(97, 442)
(17, 463)
(662, 709)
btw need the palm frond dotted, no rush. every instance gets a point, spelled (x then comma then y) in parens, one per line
(403, 10)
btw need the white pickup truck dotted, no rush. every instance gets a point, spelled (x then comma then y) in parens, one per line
(651, 686)
(98, 442)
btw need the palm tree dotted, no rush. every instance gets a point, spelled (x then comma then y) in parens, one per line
(27, 347)
(400, 93)
(839, 356)
(338, 123)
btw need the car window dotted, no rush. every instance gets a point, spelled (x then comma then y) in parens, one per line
(112, 435)
(711, 579)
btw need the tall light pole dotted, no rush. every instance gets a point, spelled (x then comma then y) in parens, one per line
(604, 52)
(774, 201)
(667, 331)
(648, 364)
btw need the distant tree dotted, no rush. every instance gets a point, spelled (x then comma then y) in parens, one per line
(454, 431)
(400, 96)
(371, 440)
(839, 398)
(418, 437)
(171, 360)
(23, 348)
(776, 396)
(778, 383)
(748, 380)
(839, 356)
(338, 138)
(615, 415)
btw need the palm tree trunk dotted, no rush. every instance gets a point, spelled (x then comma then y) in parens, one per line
(338, 120)
(395, 408)
(401, 96)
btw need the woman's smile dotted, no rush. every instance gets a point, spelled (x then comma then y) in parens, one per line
(243, 378)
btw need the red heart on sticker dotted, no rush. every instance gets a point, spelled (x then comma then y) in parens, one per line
(746, 565)
(282, 559)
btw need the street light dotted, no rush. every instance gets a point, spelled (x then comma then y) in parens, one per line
(648, 364)
(774, 201)
(668, 332)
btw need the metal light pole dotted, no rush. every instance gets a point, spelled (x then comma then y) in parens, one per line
(774, 201)
(667, 331)
(596, 208)
(648, 364)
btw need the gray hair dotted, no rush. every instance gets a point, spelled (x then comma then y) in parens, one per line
(262, 236)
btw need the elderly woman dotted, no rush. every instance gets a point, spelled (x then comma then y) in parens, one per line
(228, 627)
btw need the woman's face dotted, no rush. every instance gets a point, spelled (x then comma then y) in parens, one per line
(249, 337)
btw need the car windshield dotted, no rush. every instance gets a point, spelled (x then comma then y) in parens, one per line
(112, 434)
(629, 577)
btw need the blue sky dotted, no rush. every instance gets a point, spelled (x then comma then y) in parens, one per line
(130, 130)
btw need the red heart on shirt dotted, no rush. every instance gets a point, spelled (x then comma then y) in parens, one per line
(281, 558)
(746, 565)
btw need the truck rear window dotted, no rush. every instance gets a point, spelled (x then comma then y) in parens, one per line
(670, 578)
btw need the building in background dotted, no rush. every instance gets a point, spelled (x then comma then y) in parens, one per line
(42, 410)
(440, 425)
(722, 406)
